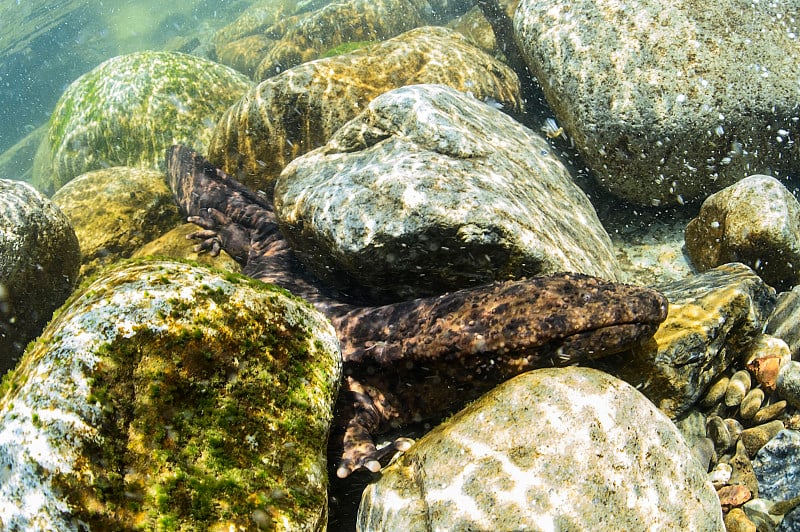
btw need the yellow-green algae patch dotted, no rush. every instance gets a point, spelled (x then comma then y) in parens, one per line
(129, 109)
(169, 396)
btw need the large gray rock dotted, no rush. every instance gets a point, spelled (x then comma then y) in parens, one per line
(430, 190)
(669, 102)
(171, 396)
(755, 221)
(39, 262)
(553, 449)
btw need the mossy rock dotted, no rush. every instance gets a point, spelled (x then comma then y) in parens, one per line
(116, 211)
(169, 396)
(130, 109)
(346, 48)
(174, 244)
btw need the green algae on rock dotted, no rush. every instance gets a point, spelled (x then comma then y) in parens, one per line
(129, 109)
(169, 396)
(115, 211)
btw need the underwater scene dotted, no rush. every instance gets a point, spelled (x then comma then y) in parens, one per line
(488, 265)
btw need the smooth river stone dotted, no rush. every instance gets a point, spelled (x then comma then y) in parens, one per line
(553, 449)
(430, 190)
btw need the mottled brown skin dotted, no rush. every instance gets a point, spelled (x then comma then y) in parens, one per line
(423, 358)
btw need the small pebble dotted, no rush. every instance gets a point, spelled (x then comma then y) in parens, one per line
(717, 430)
(784, 507)
(703, 450)
(733, 496)
(766, 369)
(737, 521)
(742, 469)
(755, 438)
(793, 422)
(737, 388)
(751, 403)
(715, 392)
(770, 412)
(760, 513)
(734, 427)
(720, 475)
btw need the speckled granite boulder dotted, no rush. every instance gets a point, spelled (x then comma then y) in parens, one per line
(128, 110)
(669, 102)
(755, 221)
(39, 262)
(293, 113)
(115, 211)
(431, 190)
(712, 317)
(553, 449)
(171, 396)
(174, 244)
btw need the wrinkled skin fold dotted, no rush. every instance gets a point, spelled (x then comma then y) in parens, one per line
(423, 358)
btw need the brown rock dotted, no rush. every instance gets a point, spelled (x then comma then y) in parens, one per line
(765, 370)
(755, 438)
(292, 113)
(742, 469)
(733, 496)
(770, 412)
(736, 521)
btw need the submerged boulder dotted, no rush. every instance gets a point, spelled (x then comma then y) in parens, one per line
(669, 102)
(297, 111)
(115, 211)
(755, 221)
(167, 395)
(128, 110)
(39, 262)
(430, 190)
(553, 449)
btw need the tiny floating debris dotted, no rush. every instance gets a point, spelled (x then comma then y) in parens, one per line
(552, 130)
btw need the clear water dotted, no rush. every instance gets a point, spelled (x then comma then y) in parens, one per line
(45, 45)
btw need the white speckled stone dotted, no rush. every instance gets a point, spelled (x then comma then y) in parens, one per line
(669, 102)
(554, 449)
(430, 189)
